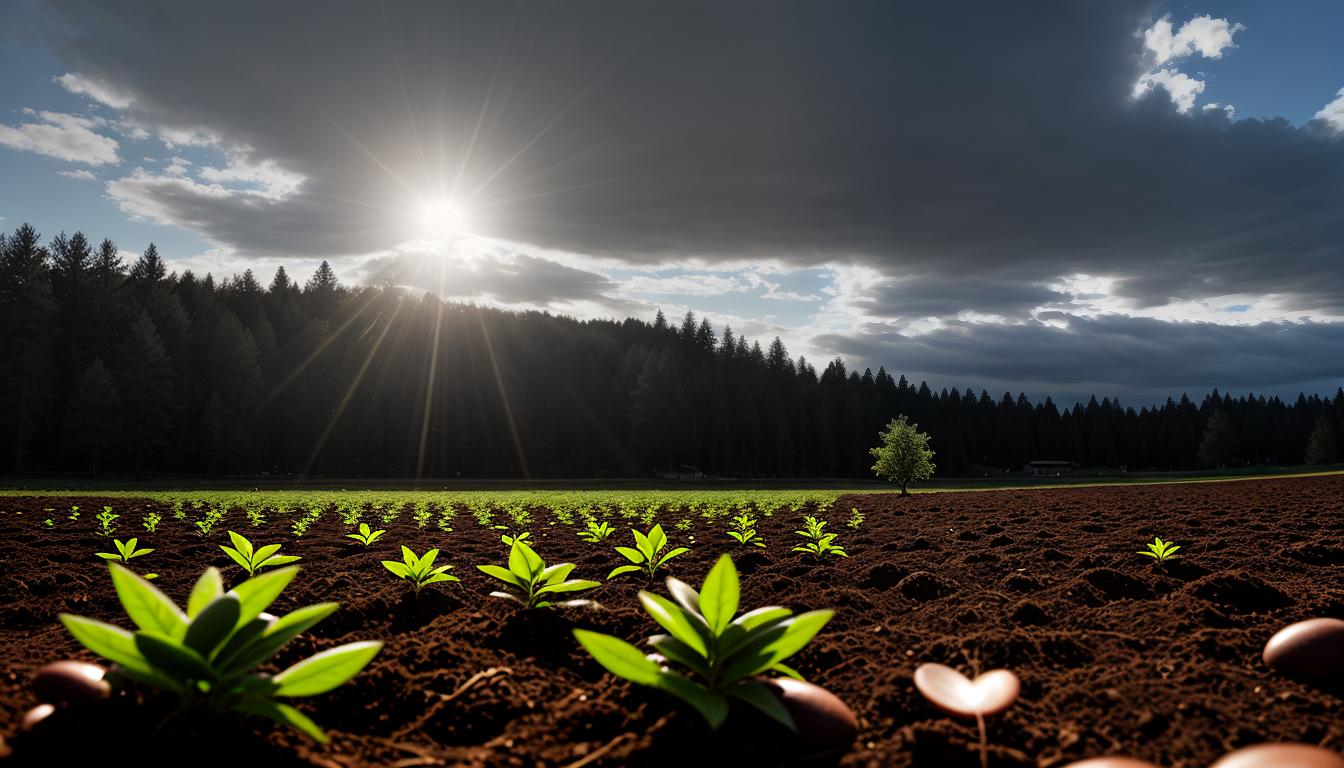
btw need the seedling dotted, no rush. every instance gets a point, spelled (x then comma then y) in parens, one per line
(207, 655)
(645, 556)
(74, 513)
(855, 518)
(531, 582)
(744, 530)
(819, 544)
(596, 532)
(721, 654)
(420, 571)
(253, 560)
(509, 536)
(49, 523)
(1161, 551)
(151, 521)
(106, 519)
(365, 536)
(958, 695)
(683, 524)
(125, 551)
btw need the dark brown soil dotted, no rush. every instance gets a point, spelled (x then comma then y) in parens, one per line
(1117, 655)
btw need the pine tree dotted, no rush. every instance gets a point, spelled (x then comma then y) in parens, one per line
(26, 311)
(1323, 443)
(146, 383)
(96, 420)
(1218, 446)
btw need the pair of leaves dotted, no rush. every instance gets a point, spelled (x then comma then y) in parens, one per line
(723, 650)
(531, 580)
(819, 542)
(597, 532)
(365, 535)
(647, 554)
(419, 569)
(253, 560)
(124, 551)
(218, 640)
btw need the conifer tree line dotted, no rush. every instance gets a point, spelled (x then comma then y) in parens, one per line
(126, 369)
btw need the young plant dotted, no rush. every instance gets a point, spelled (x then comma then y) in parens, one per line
(125, 551)
(105, 522)
(530, 582)
(74, 513)
(721, 654)
(253, 560)
(744, 530)
(151, 521)
(855, 518)
(645, 556)
(596, 532)
(207, 655)
(1161, 551)
(365, 536)
(420, 571)
(819, 544)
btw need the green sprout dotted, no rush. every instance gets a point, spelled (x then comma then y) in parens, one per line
(645, 554)
(855, 519)
(207, 655)
(125, 551)
(151, 521)
(596, 532)
(530, 582)
(365, 536)
(744, 530)
(819, 544)
(253, 560)
(74, 513)
(105, 521)
(420, 571)
(722, 654)
(1160, 550)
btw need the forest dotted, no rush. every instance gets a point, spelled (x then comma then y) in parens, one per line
(112, 368)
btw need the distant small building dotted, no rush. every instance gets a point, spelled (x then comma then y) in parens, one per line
(1048, 468)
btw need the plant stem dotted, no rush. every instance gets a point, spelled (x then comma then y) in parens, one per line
(984, 741)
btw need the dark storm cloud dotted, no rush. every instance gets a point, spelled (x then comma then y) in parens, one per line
(921, 296)
(930, 139)
(1143, 359)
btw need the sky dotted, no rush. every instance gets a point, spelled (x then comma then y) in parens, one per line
(1118, 198)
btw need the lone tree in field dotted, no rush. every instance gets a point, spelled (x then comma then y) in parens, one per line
(1322, 445)
(904, 454)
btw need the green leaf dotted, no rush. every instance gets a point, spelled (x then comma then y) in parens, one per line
(110, 642)
(284, 714)
(259, 592)
(265, 552)
(208, 587)
(213, 624)
(643, 544)
(785, 669)
(619, 657)
(719, 595)
(657, 539)
(226, 658)
(760, 697)
(139, 552)
(108, 556)
(674, 619)
(633, 555)
(503, 574)
(172, 657)
(238, 558)
(150, 609)
(407, 556)
(399, 569)
(761, 616)
(617, 571)
(568, 586)
(326, 670)
(798, 632)
(671, 554)
(280, 560)
(555, 573)
(677, 651)
(684, 594)
(712, 706)
(244, 546)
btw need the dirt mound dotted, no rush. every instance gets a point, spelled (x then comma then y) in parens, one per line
(1240, 592)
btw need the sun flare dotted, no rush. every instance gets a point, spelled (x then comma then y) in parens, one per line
(442, 219)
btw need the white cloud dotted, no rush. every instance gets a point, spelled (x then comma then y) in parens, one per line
(1182, 88)
(1333, 113)
(163, 199)
(275, 182)
(1203, 34)
(177, 166)
(80, 174)
(99, 91)
(62, 136)
(1227, 109)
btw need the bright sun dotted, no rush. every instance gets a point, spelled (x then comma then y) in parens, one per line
(442, 219)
